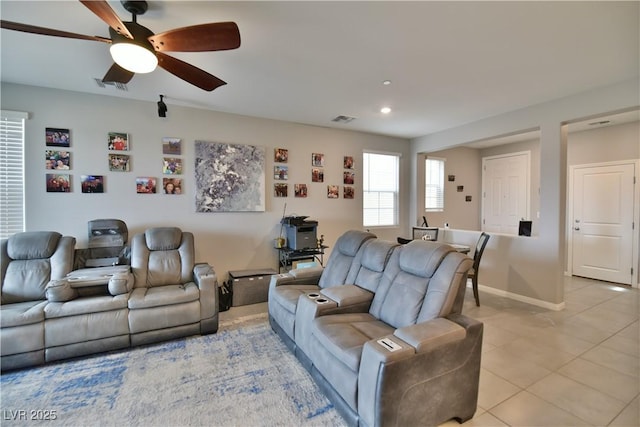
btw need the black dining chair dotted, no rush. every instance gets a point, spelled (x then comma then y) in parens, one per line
(477, 255)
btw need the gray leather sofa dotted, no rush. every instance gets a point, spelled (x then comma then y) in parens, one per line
(50, 312)
(410, 357)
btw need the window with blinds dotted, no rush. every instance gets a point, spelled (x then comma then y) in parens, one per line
(380, 177)
(11, 172)
(434, 185)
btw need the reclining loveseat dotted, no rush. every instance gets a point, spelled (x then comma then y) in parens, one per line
(406, 357)
(50, 312)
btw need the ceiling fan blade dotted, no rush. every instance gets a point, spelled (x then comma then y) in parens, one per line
(198, 38)
(117, 74)
(16, 26)
(104, 12)
(189, 73)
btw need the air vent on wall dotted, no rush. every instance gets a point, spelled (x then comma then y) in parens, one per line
(343, 119)
(116, 85)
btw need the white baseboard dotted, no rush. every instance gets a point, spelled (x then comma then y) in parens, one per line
(533, 301)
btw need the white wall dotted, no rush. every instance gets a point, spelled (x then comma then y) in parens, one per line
(535, 267)
(229, 241)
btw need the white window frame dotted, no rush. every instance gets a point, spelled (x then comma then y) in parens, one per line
(12, 191)
(375, 192)
(434, 184)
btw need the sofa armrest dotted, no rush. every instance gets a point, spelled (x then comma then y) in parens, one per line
(428, 335)
(206, 279)
(297, 276)
(349, 295)
(438, 358)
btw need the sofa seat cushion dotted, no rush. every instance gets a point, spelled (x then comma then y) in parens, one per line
(287, 295)
(163, 295)
(344, 335)
(22, 313)
(86, 305)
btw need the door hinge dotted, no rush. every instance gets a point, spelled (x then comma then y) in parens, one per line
(632, 271)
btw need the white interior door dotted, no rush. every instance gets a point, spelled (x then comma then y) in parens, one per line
(602, 224)
(505, 190)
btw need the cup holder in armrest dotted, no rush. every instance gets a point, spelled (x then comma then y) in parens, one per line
(313, 295)
(322, 301)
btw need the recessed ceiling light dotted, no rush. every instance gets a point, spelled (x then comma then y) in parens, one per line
(385, 110)
(386, 82)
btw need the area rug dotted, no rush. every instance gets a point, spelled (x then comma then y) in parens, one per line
(241, 376)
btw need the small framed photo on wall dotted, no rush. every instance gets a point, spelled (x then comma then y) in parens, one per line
(348, 177)
(57, 137)
(333, 191)
(118, 141)
(317, 175)
(172, 146)
(349, 192)
(281, 155)
(119, 163)
(348, 162)
(92, 183)
(57, 160)
(145, 185)
(57, 183)
(317, 160)
(300, 190)
(281, 172)
(172, 166)
(281, 190)
(172, 185)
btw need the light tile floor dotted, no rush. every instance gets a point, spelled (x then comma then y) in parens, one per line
(575, 367)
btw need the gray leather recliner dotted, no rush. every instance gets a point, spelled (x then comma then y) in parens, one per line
(411, 358)
(172, 296)
(284, 289)
(30, 260)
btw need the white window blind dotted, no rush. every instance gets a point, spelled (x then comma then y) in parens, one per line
(11, 172)
(434, 185)
(380, 177)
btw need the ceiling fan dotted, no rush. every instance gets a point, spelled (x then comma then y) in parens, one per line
(136, 49)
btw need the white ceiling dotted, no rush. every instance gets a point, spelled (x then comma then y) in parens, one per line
(450, 63)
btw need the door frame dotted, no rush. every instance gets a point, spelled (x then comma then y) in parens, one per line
(636, 215)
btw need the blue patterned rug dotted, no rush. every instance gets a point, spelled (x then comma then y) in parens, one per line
(241, 376)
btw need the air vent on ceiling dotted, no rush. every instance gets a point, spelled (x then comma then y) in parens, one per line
(116, 85)
(343, 119)
(600, 123)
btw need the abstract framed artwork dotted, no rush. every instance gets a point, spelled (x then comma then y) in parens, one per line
(229, 177)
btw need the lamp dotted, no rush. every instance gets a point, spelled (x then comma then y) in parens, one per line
(135, 55)
(162, 107)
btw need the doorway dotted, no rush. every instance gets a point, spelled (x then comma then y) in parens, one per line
(603, 212)
(505, 192)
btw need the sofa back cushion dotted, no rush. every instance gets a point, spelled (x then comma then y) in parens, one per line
(375, 255)
(341, 259)
(404, 287)
(162, 256)
(30, 260)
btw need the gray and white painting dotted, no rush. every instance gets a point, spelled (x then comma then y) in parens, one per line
(229, 177)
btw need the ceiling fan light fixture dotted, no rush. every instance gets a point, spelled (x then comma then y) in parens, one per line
(133, 57)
